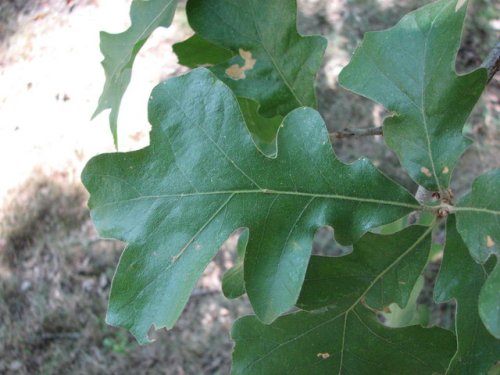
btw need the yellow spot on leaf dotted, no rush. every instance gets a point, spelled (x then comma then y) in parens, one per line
(489, 241)
(237, 72)
(460, 4)
(387, 310)
(323, 355)
(446, 170)
(426, 171)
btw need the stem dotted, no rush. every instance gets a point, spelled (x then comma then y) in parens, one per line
(347, 133)
(492, 62)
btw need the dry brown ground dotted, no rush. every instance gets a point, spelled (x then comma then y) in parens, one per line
(54, 270)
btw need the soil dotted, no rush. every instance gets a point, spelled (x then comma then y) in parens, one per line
(55, 271)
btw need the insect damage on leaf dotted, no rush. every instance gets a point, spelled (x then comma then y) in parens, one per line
(237, 72)
(426, 171)
(489, 241)
(323, 355)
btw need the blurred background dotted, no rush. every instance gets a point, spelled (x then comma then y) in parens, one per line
(55, 272)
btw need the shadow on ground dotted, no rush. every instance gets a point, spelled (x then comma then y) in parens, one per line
(55, 277)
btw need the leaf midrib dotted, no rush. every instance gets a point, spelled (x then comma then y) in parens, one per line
(273, 60)
(423, 103)
(475, 210)
(268, 192)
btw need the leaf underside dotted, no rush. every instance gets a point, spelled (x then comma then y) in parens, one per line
(120, 50)
(175, 202)
(410, 70)
(346, 337)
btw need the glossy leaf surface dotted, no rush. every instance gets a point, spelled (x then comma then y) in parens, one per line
(275, 66)
(202, 177)
(461, 278)
(410, 70)
(196, 51)
(120, 50)
(346, 337)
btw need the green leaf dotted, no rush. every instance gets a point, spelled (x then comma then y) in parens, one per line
(478, 217)
(478, 222)
(275, 65)
(346, 338)
(410, 70)
(120, 50)
(175, 202)
(489, 302)
(196, 51)
(233, 283)
(263, 129)
(411, 314)
(389, 264)
(461, 278)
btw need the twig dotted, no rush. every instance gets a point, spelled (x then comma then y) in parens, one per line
(492, 62)
(346, 133)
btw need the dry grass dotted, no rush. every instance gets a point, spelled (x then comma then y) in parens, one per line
(54, 284)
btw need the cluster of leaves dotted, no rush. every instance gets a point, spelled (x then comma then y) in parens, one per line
(237, 143)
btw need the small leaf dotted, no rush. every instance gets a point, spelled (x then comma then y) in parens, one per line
(345, 337)
(275, 66)
(410, 70)
(461, 278)
(177, 200)
(120, 50)
(196, 51)
(233, 283)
